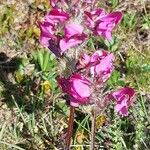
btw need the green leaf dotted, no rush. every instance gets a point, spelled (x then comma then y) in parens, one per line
(40, 58)
(46, 61)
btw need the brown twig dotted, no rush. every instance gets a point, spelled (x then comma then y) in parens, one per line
(70, 128)
(93, 127)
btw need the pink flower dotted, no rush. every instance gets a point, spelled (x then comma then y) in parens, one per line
(107, 23)
(93, 16)
(77, 87)
(49, 25)
(101, 65)
(101, 23)
(73, 36)
(49, 37)
(56, 16)
(124, 98)
(47, 33)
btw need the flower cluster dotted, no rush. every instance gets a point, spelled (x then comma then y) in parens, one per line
(86, 87)
(66, 26)
(97, 68)
(70, 27)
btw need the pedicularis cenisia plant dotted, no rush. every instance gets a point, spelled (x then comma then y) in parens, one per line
(66, 30)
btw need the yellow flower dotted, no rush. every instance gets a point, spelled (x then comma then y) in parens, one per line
(46, 86)
(100, 120)
(80, 137)
(19, 76)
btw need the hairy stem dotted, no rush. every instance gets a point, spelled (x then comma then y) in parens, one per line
(70, 128)
(93, 126)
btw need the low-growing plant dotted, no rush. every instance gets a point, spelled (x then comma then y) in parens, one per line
(66, 30)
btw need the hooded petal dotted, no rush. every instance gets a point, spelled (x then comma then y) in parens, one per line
(56, 16)
(68, 43)
(73, 29)
(105, 64)
(92, 17)
(77, 87)
(107, 23)
(101, 23)
(47, 33)
(81, 88)
(123, 98)
(122, 93)
(122, 109)
(73, 36)
(114, 17)
(104, 29)
(102, 65)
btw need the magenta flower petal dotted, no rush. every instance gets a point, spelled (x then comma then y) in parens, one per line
(107, 23)
(98, 55)
(47, 33)
(73, 36)
(64, 84)
(102, 65)
(54, 47)
(48, 38)
(122, 109)
(114, 17)
(73, 29)
(104, 29)
(56, 16)
(81, 86)
(124, 98)
(120, 94)
(107, 34)
(68, 43)
(92, 17)
(77, 87)
(105, 64)
(101, 23)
